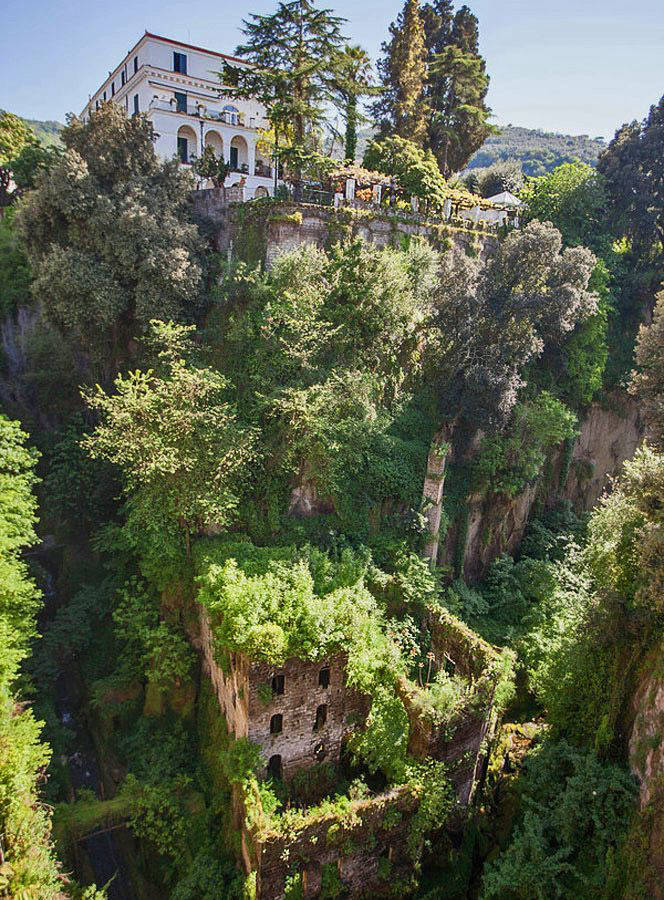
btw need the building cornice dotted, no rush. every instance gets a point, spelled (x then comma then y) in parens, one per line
(177, 78)
(159, 37)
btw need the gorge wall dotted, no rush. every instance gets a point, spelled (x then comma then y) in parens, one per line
(609, 434)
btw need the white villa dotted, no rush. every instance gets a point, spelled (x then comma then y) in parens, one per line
(177, 87)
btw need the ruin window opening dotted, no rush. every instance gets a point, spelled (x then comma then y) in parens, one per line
(320, 752)
(276, 723)
(277, 684)
(324, 677)
(274, 768)
(321, 717)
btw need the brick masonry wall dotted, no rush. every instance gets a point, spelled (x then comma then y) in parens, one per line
(246, 700)
(319, 226)
(323, 225)
(298, 743)
(231, 688)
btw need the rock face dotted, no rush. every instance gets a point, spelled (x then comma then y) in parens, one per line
(608, 435)
(646, 759)
(646, 742)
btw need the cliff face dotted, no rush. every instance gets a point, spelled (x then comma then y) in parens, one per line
(646, 760)
(646, 742)
(608, 435)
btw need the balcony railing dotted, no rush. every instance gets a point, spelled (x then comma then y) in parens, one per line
(237, 120)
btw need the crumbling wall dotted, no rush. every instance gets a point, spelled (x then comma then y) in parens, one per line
(368, 844)
(299, 743)
(459, 742)
(247, 700)
(232, 686)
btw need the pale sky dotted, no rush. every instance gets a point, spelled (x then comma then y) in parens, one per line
(572, 66)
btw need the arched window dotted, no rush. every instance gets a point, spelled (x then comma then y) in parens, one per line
(186, 145)
(276, 723)
(274, 767)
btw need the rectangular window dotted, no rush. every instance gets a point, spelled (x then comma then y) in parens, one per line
(104, 95)
(278, 684)
(234, 159)
(135, 104)
(123, 77)
(135, 64)
(324, 677)
(180, 63)
(321, 717)
(180, 102)
(96, 104)
(183, 151)
(112, 89)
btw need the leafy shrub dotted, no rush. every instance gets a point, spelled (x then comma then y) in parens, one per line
(507, 462)
(416, 170)
(152, 648)
(561, 846)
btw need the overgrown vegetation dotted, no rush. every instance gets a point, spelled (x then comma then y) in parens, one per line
(254, 443)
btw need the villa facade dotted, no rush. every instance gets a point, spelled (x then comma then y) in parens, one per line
(177, 86)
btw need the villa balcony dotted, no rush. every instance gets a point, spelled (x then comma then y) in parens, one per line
(200, 111)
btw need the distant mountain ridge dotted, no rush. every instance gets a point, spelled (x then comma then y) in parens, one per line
(48, 132)
(538, 151)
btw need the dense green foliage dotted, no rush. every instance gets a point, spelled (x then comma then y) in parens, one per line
(177, 441)
(257, 444)
(295, 55)
(14, 269)
(351, 81)
(506, 175)
(15, 135)
(284, 604)
(28, 863)
(575, 809)
(434, 83)
(415, 169)
(97, 291)
(632, 168)
(573, 197)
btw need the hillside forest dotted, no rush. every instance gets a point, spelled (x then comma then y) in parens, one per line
(187, 432)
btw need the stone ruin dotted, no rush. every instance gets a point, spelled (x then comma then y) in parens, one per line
(302, 713)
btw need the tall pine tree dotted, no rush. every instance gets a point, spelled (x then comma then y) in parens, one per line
(402, 109)
(351, 81)
(457, 90)
(293, 53)
(454, 88)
